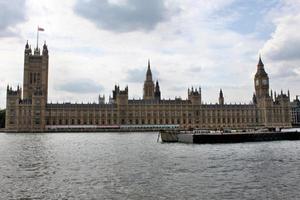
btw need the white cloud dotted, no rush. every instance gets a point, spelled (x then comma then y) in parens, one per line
(282, 50)
(124, 16)
(285, 41)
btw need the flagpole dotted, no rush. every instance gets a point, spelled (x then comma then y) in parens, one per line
(37, 38)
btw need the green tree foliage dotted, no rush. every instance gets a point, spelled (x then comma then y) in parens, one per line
(2, 118)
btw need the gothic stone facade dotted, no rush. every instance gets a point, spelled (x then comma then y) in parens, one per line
(296, 112)
(30, 111)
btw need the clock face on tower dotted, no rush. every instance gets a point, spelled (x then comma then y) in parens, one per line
(265, 82)
(257, 82)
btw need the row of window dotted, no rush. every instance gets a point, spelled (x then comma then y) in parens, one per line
(161, 114)
(149, 121)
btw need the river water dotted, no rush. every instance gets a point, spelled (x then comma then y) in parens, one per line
(135, 166)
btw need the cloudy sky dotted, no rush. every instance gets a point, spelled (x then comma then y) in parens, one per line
(94, 44)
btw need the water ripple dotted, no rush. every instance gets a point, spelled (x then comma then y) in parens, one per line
(135, 166)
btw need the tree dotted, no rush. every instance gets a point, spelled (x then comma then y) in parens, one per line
(2, 118)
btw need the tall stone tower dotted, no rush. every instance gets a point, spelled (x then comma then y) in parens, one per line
(271, 112)
(262, 97)
(261, 81)
(27, 113)
(35, 85)
(148, 85)
(35, 72)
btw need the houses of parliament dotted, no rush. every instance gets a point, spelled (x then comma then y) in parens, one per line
(28, 110)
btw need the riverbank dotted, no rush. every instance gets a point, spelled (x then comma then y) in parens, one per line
(88, 131)
(104, 130)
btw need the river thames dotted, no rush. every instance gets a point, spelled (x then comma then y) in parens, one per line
(135, 166)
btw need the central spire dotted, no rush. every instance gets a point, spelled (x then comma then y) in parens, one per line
(149, 73)
(148, 64)
(148, 84)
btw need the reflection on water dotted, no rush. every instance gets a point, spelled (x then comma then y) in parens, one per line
(135, 166)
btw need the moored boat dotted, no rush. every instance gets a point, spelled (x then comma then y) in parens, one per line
(205, 136)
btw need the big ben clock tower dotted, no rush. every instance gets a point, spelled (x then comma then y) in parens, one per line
(261, 81)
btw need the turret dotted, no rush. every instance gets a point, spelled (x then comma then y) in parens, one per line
(194, 96)
(221, 97)
(101, 99)
(27, 49)
(45, 49)
(157, 94)
(254, 100)
(115, 92)
(272, 95)
(14, 93)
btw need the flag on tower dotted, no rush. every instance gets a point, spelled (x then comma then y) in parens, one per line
(40, 29)
(37, 36)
